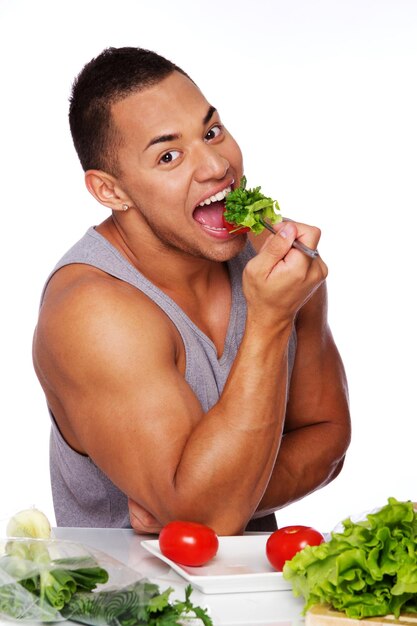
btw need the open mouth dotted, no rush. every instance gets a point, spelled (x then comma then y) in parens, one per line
(209, 213)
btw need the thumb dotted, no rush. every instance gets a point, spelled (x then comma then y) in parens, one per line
(277, 246)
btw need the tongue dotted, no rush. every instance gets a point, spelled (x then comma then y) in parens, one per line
(210, 215)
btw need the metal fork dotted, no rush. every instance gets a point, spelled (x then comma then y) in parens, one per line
(295, 244)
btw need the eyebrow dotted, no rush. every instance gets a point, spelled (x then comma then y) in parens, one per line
(162, 139)
(174, 136)
(209, 114)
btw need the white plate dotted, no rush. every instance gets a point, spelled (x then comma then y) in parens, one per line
(240, 565)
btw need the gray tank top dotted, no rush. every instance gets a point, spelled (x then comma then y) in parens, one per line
(82, 493)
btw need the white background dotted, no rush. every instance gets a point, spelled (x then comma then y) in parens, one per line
(322, 96)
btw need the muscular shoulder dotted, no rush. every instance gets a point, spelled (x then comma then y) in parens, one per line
(89, 318)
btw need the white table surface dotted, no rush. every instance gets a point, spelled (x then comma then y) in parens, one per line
(269, 608)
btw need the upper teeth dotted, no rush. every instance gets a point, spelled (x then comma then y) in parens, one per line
(217, 197)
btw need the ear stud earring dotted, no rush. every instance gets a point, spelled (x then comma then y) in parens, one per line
(125, 207)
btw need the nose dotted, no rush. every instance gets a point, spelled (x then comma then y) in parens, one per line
(210, 164)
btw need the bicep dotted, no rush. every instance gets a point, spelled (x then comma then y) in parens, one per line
(122, 394)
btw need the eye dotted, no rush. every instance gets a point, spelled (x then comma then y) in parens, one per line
(170, 156)
(214, 132)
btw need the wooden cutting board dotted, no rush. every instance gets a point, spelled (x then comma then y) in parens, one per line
(322, 615)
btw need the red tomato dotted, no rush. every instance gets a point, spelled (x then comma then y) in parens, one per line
(188, 543)
(234, 227)
(285, 542)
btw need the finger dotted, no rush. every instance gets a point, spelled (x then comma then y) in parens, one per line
(141, 520)
(306, 234)
(141, 527)
(276, 247)
(298, 245)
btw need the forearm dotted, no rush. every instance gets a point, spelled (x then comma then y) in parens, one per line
(308, 459)
(227, 461)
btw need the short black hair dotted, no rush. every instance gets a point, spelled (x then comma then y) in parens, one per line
(111, 76)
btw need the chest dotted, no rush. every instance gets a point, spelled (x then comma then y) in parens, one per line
(209, 310)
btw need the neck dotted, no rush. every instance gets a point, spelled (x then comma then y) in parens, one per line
(201, 287)
(168, 267)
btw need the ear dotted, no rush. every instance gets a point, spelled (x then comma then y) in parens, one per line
(106, 190)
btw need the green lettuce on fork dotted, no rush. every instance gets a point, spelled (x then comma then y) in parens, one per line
(249, 207)
(369, 569)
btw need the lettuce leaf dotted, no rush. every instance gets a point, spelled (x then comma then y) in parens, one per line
(247, 207)
(369, 569)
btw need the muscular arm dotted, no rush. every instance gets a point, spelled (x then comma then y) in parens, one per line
(109, 362)
(316, 431)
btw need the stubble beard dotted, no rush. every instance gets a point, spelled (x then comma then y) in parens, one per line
(220, 253)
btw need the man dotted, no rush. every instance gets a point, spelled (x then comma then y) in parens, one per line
(187, 377)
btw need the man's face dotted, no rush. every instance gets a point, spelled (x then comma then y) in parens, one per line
(176, 161)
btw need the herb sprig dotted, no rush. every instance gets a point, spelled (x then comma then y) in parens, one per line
(139, 604)
(249, 207)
